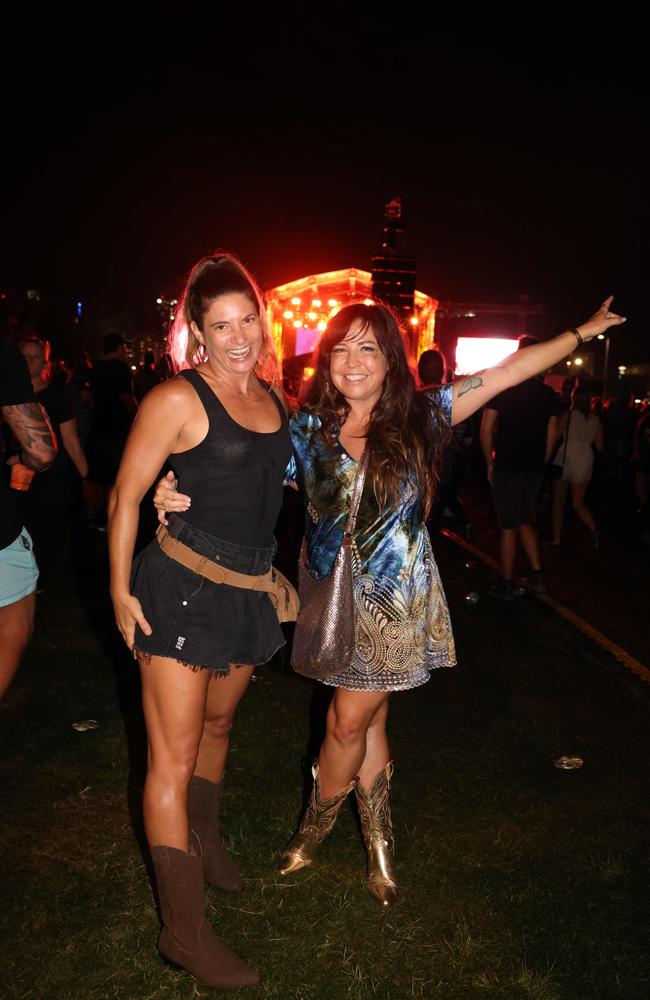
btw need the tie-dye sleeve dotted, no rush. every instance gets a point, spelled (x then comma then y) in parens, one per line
(444, 396)
(291, 475)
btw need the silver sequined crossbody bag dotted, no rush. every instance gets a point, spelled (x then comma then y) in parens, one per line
(324, 637)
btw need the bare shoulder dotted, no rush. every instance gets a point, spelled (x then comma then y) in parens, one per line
(165, 411)
(176, 393)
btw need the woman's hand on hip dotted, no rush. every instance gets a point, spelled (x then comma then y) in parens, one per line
(128, 614)
(166, 499)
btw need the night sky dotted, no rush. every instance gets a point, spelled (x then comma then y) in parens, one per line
(520, 150)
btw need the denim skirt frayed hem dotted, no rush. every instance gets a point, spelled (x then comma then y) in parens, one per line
(201, 624)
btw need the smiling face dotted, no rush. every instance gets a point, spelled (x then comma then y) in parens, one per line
(357, 366)
(231, 333)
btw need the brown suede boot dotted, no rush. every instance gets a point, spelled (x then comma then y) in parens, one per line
(203, 801)
(186, 937)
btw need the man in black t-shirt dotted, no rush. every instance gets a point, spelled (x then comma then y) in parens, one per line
(18, 570)
(517, 437)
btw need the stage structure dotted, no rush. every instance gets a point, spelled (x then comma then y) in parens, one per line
(393, 274)
(298, 311)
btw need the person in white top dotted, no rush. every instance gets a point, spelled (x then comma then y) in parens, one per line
(579, 432)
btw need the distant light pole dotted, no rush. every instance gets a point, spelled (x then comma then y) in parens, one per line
(602, 336)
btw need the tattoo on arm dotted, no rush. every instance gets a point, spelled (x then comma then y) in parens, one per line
(473, 382)
(30, 425)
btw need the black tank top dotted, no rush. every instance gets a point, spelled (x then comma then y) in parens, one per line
(234, 475)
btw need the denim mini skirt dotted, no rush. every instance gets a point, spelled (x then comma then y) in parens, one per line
(200, 623)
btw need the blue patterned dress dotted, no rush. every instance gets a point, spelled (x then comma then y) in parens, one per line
(403, 626)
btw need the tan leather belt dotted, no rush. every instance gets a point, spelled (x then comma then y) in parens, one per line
(283, 595)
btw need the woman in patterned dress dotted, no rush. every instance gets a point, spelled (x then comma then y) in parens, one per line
(363, 393)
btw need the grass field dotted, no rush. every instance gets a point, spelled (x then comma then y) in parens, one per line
(519, 880)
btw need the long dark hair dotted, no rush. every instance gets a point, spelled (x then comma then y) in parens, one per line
(218, 274)
(406, 427)
(581, 400)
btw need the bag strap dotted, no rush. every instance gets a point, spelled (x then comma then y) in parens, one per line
(357, 490)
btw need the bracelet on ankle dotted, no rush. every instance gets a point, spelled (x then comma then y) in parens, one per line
(577, 335)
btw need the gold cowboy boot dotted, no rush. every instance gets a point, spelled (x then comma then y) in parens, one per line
(317, 821)
(377, 829)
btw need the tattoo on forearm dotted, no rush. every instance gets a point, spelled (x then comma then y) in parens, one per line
(473, 382)
(32, 429)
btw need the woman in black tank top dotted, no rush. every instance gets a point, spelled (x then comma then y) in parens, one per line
(225, 435)
(362, 395)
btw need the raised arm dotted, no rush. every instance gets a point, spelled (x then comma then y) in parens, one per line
(475, 391)
(31, 428)
(155, 433)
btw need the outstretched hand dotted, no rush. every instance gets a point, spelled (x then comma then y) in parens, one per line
(166, 499)
(601, 321)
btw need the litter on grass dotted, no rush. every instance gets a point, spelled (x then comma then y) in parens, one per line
(83, 727)
(569, 763)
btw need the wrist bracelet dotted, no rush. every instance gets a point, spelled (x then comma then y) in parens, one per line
(577, 335)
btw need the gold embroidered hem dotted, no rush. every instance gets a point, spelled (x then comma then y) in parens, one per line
(403, 629)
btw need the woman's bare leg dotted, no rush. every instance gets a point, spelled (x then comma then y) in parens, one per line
(559, 500)
(16, 627)
(343, 751)
(173, 699)
(377, 750)
(578, 493)
(224, 695)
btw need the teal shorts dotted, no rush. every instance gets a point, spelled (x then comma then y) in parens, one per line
(18, 570)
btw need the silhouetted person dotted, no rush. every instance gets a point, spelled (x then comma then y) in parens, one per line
(146, 378)
(517, 436)
(580, 432)
(642, 459)
(568, 385)
(81, 397)
(18, 570)
(114, 407)
(432, 368)
(51, 495)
